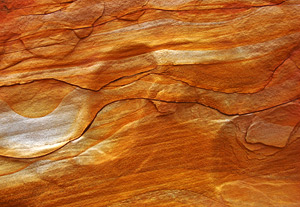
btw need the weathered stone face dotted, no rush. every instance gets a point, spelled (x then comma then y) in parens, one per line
(150, 103)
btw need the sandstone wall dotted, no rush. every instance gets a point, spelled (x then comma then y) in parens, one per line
(150, 103)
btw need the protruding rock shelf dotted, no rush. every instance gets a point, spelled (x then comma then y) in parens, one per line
(150, 103)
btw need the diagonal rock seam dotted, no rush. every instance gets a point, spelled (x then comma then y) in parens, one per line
(88, 126)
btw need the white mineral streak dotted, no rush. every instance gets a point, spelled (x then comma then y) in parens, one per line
(183, 57)
(30, 137)
(174, 57)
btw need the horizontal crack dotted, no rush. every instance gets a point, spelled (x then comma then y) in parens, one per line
(149, 71)
(143, 8)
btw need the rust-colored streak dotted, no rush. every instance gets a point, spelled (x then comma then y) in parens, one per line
(149, 103)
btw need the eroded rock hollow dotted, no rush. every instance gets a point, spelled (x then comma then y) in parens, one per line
(150, 103)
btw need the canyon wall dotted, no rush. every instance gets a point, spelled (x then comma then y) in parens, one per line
(150, 103)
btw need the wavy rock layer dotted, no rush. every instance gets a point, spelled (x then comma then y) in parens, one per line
(150, 103)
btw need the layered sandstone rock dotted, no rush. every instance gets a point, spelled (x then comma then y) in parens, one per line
(150, 103)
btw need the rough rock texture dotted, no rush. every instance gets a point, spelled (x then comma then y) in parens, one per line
(150, 103)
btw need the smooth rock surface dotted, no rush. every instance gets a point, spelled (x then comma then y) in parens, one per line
(150, 103)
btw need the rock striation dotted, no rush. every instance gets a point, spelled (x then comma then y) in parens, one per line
(150, 103)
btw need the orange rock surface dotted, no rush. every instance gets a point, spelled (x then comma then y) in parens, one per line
(150, 103)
